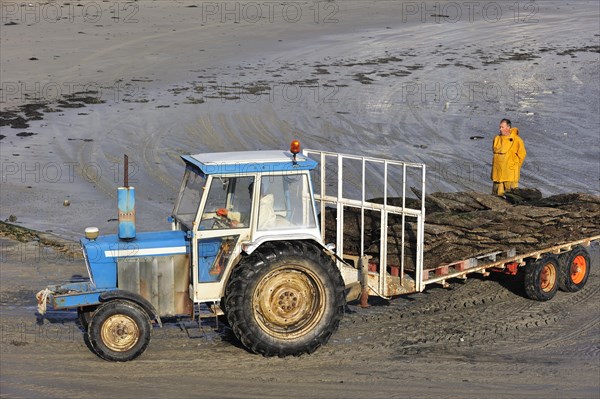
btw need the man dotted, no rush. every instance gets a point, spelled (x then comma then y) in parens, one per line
(509, 154)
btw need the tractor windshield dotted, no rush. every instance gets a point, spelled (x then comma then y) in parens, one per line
(189, 197)
(228, 203)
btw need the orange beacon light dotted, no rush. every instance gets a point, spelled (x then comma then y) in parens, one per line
(295, 148)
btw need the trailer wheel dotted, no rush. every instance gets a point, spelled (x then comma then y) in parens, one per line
(574, 269)
(287, 298)
(541, 279)
(119, 331)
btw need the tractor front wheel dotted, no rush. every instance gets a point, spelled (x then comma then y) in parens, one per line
(119, 331)
(287, 298)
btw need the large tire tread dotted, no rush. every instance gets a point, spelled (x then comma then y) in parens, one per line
(239, 294)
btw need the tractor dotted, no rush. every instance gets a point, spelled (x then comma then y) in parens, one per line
(245, 242)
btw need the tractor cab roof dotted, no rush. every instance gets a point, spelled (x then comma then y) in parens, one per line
(249, 162)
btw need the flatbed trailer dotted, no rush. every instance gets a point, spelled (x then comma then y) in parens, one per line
(503, 261)
(547, 268)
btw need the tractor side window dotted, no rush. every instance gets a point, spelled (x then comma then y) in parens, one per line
(285, 203)
(228, 204)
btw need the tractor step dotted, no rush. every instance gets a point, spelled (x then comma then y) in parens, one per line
(207, 310)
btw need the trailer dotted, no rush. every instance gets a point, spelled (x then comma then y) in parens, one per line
(565, 265)
(247, 241)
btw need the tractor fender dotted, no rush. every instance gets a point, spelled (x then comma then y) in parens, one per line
(107, 296)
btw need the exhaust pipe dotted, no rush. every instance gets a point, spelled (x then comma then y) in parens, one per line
(126, 205)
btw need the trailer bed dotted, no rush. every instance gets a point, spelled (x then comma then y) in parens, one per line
(497, 260)
(465, 232)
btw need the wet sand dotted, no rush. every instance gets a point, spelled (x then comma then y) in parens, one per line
(376, 78)
(85, 82)
(480, 337)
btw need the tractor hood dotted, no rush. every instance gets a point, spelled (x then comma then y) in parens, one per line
(102, 253)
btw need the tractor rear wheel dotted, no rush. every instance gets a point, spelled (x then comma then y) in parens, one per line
(287, 298)
(541, 279)
(574, 269)
(119, 331)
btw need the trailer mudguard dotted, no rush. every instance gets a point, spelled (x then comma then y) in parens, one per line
(133, 297)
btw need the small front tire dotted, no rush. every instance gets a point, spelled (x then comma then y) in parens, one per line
(119, 331)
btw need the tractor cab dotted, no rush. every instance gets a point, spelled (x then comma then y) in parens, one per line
(232, 202)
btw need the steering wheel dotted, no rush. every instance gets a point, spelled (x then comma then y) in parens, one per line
(221, 219)
(221, 223)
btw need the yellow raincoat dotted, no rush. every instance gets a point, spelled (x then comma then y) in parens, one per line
(509, 154)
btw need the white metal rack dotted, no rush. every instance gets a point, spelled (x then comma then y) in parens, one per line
(334, 171)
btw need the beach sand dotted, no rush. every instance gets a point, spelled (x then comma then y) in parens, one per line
(84, 82)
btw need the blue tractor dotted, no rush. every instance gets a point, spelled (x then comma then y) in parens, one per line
(245, 240)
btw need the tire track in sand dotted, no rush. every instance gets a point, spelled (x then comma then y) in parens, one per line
(476, 313)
